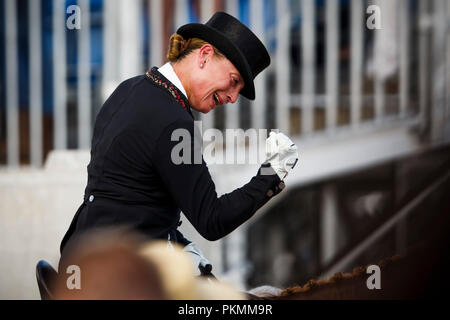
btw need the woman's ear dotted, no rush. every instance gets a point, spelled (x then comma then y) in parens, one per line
(205, 54)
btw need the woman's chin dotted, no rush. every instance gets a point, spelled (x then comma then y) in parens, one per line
(204, 108)
(207, 109)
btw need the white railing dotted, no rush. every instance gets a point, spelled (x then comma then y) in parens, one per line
(59, 76)
(11, 84)
(123, 57)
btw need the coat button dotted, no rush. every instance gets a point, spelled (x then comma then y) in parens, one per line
(91, 198)
(269, 193)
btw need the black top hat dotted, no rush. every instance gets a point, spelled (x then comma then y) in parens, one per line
(237, 42)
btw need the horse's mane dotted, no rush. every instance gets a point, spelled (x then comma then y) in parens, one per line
(337, 277)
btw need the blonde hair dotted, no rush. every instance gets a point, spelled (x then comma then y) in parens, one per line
(180, 47)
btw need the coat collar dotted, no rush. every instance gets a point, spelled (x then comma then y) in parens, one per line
(157, 78)
(168, 72)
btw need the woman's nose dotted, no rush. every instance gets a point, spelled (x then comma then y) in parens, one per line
(233, 96)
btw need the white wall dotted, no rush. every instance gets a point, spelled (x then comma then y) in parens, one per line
(36, 207)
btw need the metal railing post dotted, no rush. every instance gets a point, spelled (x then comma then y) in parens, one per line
(35, 42)
(156, 32)
(356, 68)
(59, 76)
(404, 56)
(282, 59)
(438, 76)
(232, 110)
(332, 62)
(308, 65)
(12, 84)
(259, 105)
(84, 77)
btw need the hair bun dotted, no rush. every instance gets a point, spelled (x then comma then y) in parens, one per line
(177, 46)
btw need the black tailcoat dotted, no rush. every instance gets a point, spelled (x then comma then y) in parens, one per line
(133, 181)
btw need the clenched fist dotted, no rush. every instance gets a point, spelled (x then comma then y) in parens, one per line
(281, 153)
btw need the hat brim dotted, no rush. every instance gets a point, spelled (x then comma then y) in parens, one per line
(227, 47)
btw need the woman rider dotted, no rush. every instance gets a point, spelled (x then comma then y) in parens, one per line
(132, 178)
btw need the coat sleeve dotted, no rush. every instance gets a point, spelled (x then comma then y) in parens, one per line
(192, 188)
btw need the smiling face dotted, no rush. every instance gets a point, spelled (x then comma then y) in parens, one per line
(212, 79)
